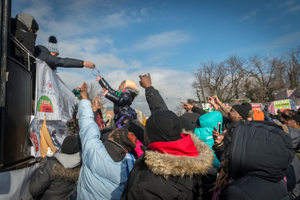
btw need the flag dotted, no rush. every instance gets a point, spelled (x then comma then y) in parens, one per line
(46, 140)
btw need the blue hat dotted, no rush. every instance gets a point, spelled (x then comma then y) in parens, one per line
(52, 44)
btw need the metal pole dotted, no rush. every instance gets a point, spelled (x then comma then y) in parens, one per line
(5, 9)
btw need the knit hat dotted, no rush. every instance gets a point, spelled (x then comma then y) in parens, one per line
(186, 124)
(70, 145)
(295, 116)
(163, 126)
(243, 109)
(52, 44)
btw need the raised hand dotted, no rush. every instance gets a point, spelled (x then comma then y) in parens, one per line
(98, 78)
(83, 90)
(145, 81)
(186, 105)
(218, 137)
(104, 91)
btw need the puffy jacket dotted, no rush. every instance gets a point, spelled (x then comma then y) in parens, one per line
(207, 123)
(43, 54)
(56, 178)
(258, 157)
(100, 176)
(121, 102)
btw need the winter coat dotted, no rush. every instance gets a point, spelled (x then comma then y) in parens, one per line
(53, 62)
(100, 177)
(207, 123)
(258, 158)
(164, 176)
(122, 101)
(57, 178)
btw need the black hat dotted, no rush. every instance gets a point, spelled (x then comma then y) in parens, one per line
(70, 145)
(295, 116)
(192, 117)
(243, 109)
(137, 129)
(163, 126)
(186, 124)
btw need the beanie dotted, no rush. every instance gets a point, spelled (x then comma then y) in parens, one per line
(186, 124)
(70, 145)
(163, 126)
(52, 44)
(243, 109)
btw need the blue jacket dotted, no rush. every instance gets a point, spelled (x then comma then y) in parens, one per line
(207, 122)
(100, 177)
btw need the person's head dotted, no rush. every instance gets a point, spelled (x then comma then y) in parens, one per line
(52, 46)
(251, 115)
(162, 126)
(71, 145)
(283, 115)
(29, 22)
(239, 112)
(124, 138)
(130, 86)
(292, 120)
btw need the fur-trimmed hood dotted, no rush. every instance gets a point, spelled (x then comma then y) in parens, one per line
(167, 164)
(65, 174)
(132, 91)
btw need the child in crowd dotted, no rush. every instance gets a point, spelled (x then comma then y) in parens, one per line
(122, 100)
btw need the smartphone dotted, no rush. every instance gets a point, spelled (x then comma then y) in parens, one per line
(219, 128)
(106, 121)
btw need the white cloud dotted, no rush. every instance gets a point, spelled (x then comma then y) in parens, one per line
(169, 83)
(249, 15)
(284, 40)
(165, 39)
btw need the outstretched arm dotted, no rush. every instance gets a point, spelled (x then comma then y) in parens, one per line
(105, 85)
(155, 101)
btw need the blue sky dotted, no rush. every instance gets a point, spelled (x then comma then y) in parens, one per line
(166, 38)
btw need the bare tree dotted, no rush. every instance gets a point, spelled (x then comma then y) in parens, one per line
(94, 90)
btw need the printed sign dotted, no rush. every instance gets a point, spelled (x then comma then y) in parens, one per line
(53, 97)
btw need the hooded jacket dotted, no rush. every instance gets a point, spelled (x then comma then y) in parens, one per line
(257, 157)
(100, 177)
(122, 100)
(57, 178)
(43, 54)
(160, 174)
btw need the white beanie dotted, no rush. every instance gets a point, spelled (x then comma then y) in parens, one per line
(52, 44)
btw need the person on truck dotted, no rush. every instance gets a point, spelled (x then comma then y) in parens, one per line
(50, 53)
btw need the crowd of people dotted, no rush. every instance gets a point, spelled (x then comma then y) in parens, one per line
(224, 154)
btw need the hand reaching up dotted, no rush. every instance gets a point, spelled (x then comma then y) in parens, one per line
(186, 106)
(145, 81)
(104, 91)
(83, 90)
(96, 103)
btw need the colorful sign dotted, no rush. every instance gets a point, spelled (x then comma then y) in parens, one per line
(53, 97)
(256, 106)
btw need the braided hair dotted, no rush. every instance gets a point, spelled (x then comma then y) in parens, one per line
(125, 138)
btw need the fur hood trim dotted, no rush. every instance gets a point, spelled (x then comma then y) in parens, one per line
(167, 164)
(132, 90)
(65, 174)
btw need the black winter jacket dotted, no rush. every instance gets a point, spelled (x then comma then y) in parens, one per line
(52, 181)
(154, 175)
(43, 54)
(121, 102)
(258, 156)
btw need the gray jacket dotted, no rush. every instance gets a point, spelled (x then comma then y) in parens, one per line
(43, 54)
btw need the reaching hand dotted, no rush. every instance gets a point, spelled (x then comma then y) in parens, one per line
(186, 106)
(217, 100)
(211, 100)
(218, 137)
(98, 78)
(145, 81)
(88, 65)
(104, 91)
(83, 90)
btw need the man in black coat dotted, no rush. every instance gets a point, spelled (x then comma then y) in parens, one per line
(172, 166)
(56, 179)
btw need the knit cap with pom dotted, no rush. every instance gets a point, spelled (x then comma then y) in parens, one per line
(52, 44)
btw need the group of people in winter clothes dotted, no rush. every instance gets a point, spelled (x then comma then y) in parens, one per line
(174, 157)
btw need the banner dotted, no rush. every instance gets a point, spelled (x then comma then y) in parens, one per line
(52, 97)
(256, 106)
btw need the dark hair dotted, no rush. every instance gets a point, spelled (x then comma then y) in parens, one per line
(120, 136)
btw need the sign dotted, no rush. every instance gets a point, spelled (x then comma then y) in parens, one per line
(256, 106)
(53, 97)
